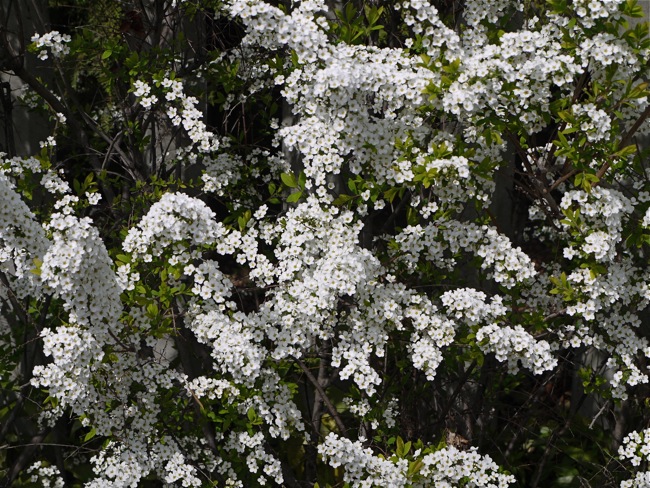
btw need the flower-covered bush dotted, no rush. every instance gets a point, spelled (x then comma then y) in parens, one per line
(305, 243)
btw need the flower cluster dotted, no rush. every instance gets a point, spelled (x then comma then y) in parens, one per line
(170, 221)
(181, 111)
(636, 449)
(444, 467)
(77, 269)
(362, 467)
(432, 332)
(220, 172)
(142, 90)
(514, 344)
(450, 466)
(242, 442)
(602, 214)
(591, 10)
(509, 265)
(45, 476)
(516, 76)
(594, 122)
(121, 465)
(54, 41)
(22, 240)
(469, 304)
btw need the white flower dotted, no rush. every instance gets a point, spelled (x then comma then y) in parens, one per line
(141, 89)
(55, 41)
(93, 198)
(50, 142)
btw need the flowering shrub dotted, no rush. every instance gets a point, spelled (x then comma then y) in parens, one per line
(280, 243)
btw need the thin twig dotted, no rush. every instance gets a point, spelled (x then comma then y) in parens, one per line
(600, 412)
(328, 403)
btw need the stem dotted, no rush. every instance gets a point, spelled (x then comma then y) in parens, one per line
(328, 403)
(561, 180)
(627, 138)
(539, 186)
(549, 445)
(24, 457)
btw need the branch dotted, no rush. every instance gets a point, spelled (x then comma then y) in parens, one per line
(328, 403)
(627, 138)
(557, 433)
(625, 141)
(405, 199)
(25, 457)
(15, 64)
(318, 399)
(561, 180)
(14, 300)
(540, 188)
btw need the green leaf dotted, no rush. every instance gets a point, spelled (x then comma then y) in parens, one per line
(577, 182)
(626, 151)
(342, 200)
(289, 180)
(563, 140)
(37, 267)
(373, 14)
(633, 9)
(90, 434)
(407, 447)
(412, 216)
(414, 467)
(399, 447)
(390, 194)
(294, 197)
(252, 416)
(639, 91)
(452, 67)
(566, 116)
(350, 12)
(242, 221)
(107, 54)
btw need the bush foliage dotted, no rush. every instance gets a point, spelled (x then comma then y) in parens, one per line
(303, 243)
